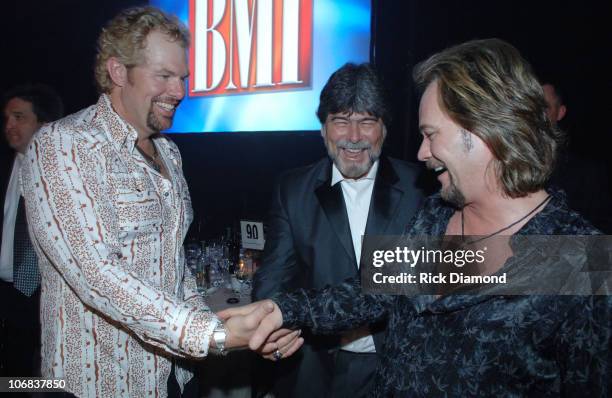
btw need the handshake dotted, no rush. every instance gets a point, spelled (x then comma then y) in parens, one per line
(258, 326)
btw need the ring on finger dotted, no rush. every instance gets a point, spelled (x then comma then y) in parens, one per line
(277, 355)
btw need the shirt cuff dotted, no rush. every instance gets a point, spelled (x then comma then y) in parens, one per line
(199, 332)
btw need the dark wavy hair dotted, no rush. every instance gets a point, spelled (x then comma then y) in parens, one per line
(354, 89)
(487, 88)
(46, 103)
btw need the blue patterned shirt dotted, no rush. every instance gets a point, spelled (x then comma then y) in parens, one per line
(476, 345)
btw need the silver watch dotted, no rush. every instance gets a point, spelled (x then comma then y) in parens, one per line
(219, 335)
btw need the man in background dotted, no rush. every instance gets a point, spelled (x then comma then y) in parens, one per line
(25, 109)
(584, 179)
(318, 217)
(556, 109)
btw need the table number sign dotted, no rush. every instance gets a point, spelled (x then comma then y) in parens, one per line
(252, 235)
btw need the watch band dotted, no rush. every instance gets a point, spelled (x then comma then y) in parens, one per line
(219, 335)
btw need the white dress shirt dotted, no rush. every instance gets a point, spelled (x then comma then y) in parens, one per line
(357, 197)
(11, 201)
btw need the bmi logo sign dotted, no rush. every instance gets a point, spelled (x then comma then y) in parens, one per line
(248, 46)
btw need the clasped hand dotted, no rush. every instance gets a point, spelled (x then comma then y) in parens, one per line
(258, 326)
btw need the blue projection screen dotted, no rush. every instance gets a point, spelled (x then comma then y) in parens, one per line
(259, 65)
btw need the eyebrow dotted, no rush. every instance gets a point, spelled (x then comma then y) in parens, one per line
(424, 127)
(363, 119)
(168, 71)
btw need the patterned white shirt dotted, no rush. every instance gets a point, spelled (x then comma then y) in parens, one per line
(116, 300)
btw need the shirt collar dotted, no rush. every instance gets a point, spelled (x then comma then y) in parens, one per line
(120, 130)
(338, 177)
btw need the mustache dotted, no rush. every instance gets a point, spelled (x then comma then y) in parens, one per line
(346, 144)
(167, 100)
(433, 164)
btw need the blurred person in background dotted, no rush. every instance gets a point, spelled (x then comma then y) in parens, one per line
(584, 179)
(25, 109)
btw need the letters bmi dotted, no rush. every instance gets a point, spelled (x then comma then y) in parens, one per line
(242, 46)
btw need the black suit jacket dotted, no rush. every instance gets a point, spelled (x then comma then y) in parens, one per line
(309, 245)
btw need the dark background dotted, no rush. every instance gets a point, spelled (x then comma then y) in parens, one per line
(231, 175)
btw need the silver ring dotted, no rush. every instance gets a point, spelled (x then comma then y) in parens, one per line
(277, 355)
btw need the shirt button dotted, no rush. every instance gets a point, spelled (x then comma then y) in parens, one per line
(166, 194)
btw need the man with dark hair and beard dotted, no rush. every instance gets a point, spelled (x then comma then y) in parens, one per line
(318, 216)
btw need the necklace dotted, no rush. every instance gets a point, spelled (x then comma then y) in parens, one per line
(151, 160)
(542, 203)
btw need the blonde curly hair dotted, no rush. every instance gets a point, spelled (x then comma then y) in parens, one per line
(124, 38)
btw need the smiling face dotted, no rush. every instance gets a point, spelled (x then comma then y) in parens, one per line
(460, 158)
(353, 141)
(20, 123)
(153, 89)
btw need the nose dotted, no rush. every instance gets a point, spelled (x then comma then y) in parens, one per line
(424, 151)
(354, 132)
(177, 88)
(9, 123)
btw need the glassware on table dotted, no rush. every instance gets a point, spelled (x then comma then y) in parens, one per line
(218, 274)
(192, 264)
(243, 276)
(192, 249)
(202, 273)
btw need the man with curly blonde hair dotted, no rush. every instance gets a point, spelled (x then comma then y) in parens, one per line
(108, 207)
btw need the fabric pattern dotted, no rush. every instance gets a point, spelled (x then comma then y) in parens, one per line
(476, 345)
(26, 277)
(116, 299)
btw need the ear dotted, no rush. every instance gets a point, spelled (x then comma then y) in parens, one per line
(323, 131)
(117, 71)
(561, 112)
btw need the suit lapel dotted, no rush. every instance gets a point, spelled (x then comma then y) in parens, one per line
(386, 197)
(332, 202)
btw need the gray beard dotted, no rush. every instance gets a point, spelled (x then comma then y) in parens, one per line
(353, 170)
